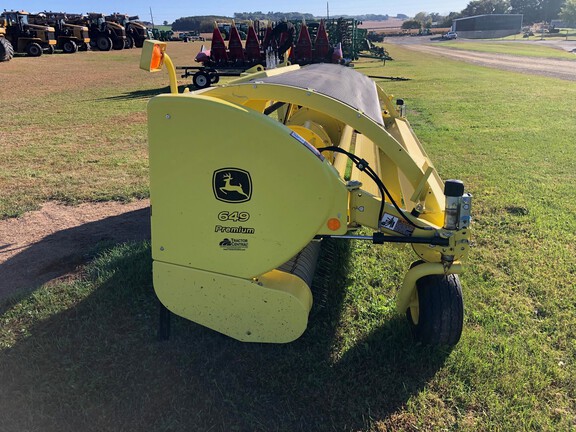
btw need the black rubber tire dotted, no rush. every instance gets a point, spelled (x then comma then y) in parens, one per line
(441, 310)
(69, 47)
(201, 80)
(138, 43)
(129, 42)
(83, 47)
(214, 78)
(50, 49)
(34, 50)
(119, 44)
(6, 50)
(104, 43)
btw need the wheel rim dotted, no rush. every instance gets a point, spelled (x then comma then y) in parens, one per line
(201, 81)
(103, 44)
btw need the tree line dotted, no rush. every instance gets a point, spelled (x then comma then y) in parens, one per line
(533, 11)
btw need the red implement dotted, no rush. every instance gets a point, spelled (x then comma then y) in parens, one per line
(267, 37)
(303, 48)
(252, 45)
(235, 49)
(321, 44)
(218, 48)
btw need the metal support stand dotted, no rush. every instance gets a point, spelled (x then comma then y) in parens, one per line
(164, 323)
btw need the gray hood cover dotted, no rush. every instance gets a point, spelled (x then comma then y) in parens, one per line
(338, 82)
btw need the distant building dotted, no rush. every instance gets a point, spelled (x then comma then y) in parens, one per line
(558, 24)
(488, 26)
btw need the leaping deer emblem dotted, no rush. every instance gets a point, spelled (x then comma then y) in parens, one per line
(230, 187)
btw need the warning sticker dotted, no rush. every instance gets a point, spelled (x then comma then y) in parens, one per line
(396, 224)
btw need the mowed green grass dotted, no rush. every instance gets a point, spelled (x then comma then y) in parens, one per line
(74, 127)
(523, 49)
(82, 355)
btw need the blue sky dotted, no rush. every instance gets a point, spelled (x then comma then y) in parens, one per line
(171, 10)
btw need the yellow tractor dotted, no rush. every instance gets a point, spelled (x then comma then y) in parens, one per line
(70, 38)
(6, 48)
(104, 35)
(247, 180)
(26, 37)
(136, 32)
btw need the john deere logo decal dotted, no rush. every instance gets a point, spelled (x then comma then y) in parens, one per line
(232, 185)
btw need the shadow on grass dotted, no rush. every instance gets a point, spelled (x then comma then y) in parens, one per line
(64, 251)
(98, 366)
(143, 94)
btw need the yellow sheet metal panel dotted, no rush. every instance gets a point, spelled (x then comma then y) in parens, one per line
(273, 308)
(395, 152)
(233, 191)
(366, 150)
(345, 142)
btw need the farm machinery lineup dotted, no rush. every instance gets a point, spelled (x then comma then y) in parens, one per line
(44, 32)
(18, 35)
(104, 35)
(239, 213)
(136, 32)
(69, 37)
(333, 41)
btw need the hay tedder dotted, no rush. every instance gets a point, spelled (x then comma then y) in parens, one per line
(248, 178)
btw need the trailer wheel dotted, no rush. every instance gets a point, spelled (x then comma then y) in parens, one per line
(214, 78)
(69, 47)
(439, 317)
(201, 79)
(6, 50)
(104, 43)
(34, 50)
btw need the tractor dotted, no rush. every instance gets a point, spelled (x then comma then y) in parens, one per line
(104, 35)
(136, 32)
(70, 38)
(6, 48)
(24, 37)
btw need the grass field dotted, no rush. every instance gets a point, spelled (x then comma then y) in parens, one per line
(75, 127)
(82, 354)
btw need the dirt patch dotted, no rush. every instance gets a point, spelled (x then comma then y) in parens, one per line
(53, 242)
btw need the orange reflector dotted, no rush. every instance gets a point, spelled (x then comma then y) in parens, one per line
(156, 60)
(333, 224)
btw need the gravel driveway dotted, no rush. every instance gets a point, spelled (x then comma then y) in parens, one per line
(557, 68)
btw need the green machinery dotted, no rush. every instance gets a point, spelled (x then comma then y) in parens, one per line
(247, 179)
(354, 40)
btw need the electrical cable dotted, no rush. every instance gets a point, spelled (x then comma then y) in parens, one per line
(364, 166)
